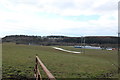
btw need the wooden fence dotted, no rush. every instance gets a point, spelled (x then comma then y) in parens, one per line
(37, 71)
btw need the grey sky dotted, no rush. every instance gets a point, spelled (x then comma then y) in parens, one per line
(59, 17)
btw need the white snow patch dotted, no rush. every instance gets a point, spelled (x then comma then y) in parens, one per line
(65, 50)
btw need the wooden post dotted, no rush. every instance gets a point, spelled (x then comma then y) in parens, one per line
(36, 71)
(50, 76)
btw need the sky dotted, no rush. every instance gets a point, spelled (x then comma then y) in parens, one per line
(59, 17)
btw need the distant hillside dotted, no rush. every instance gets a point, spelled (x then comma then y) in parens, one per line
(60, 40)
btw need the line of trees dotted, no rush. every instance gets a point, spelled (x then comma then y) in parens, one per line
(61, 40)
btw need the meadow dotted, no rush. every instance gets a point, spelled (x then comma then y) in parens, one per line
(18, 61)
(0, 60)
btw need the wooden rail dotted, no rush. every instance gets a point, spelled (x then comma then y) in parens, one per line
(37, 72)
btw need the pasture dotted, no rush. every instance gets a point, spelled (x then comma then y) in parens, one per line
(0, 60)
(18, 62)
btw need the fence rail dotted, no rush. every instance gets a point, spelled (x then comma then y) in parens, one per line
(37, 72)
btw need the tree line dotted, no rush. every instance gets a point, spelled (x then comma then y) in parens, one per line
(62, 40)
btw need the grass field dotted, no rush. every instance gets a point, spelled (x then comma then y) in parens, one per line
(0, 60)
(19, 61)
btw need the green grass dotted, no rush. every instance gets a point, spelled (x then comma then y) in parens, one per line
(19, 61)
(0, 54)
(0, 60)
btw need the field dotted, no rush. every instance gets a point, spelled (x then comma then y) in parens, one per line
(0, 61)
(19, 60)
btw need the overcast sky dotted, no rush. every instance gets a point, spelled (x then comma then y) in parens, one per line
(59, 17)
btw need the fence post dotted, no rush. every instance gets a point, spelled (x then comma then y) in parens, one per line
(36, 71)
(50, 76)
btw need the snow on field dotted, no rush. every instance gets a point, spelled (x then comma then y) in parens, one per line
(65, 50)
